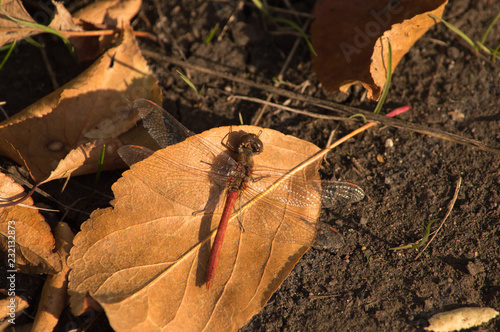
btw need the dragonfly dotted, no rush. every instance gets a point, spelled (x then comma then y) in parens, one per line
(232, 174)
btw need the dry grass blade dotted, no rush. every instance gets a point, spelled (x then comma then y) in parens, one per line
(450, 207)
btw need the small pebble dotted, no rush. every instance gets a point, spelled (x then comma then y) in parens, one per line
(458, 319)
(389, 143)
(453, 52)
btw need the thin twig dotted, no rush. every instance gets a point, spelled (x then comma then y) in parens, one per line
(280, 76)
(292, 12)
(28, 206)
(2, 110)
(329, 105)
(107, 32)
(293, 110)
(326, 296)
(50, 71)
(450, 207)
(237, 9)
(330, 138)
(329, 142)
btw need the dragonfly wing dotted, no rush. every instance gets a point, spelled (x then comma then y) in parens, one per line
(286, 208)
(162, 126)
(298, 190)
(172, 180)
(277, 220)
(334, 192)
(166, 130)
(132, 154)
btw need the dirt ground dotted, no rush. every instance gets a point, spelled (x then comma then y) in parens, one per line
(363, 285)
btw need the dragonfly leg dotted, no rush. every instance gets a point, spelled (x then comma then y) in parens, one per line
(226, 144)
(239, 216)
(255, 179)
(198, 212)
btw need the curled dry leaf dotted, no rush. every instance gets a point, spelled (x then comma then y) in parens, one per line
(69, 127)
(25, 230)
(111, 13)
(11, 31)
(460, 319)
(145, 259)
(98, 15)
(347, 37)
(55, 290)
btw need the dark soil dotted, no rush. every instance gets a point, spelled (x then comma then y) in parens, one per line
(363, 286)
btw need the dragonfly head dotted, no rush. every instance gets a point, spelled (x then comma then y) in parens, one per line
(250, 144)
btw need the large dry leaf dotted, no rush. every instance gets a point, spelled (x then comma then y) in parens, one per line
(68, 128)
(145, 260)
(347, 37)
(25, 234)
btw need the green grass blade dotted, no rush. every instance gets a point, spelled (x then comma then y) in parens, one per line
(33, 42)
(262, 8)
(6, 57)
(487, 32)
(420, 243)
(212, 34)
(100, 163)
(388, 78)
(6, 47)
(495, 53)
(359, 115)
(294, 25)
(299, 30)
(191, 85)
(455, 30)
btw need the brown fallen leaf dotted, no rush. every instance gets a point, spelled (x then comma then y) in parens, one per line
(11, 31)
(109, 12)
(55, 290)
(347, 37)
(69, 127)
(101, 14)
(10, 309)
(145, 259)
(26, 242)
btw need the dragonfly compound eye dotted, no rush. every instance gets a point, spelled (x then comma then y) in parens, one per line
(250, 143)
